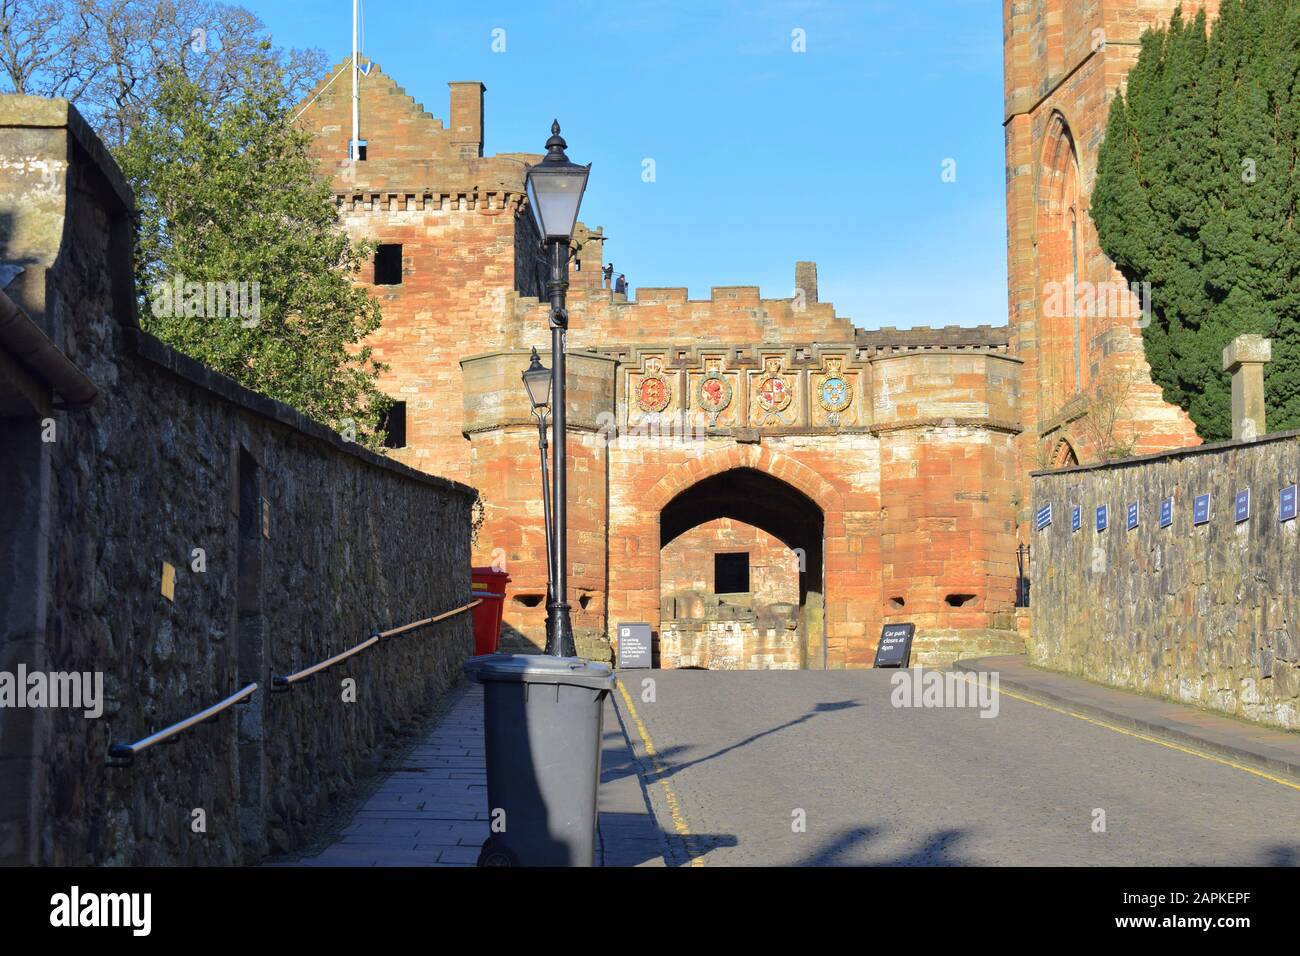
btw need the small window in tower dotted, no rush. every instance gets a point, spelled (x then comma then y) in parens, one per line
(731, 573)
(388, 264)
(394, 425)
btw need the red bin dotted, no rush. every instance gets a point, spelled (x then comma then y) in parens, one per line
(490, 588)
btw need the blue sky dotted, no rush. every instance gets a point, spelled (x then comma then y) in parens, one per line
(762, 155)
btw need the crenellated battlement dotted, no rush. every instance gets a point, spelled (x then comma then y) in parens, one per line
(890, 339)
(465, 199)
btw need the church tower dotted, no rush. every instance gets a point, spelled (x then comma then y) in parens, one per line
(1086, 390)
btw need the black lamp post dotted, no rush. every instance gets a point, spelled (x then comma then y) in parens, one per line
(537, 381)
(555, 188)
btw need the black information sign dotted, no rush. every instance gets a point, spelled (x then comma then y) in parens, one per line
(634, 645)
(895, 647)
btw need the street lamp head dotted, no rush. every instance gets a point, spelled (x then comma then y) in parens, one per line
(555, 188)
(537, 379)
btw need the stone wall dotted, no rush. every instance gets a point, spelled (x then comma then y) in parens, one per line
(687, 562)
(732, 638)
(759, 629)
(1203, 613)
(287, 545)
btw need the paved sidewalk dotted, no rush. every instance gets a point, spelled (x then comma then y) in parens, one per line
(433, 810)
(1266, 749)
(628, 833)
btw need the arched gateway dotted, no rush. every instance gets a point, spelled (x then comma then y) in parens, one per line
(741, 575)
(748, 540)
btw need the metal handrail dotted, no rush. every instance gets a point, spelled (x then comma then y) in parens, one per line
(284, 683)
(122, 755)
(432, 620)
(125, 753)
(287, 682)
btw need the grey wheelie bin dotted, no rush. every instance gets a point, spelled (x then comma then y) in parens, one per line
(542, 720)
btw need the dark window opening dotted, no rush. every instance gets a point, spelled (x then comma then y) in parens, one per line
(529, 600)
(361, 151)
(585, 601)
(897, 602)
(388, 264)
(960, 600)
(731, 573)
(394, 426)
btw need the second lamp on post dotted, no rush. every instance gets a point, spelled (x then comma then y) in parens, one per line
(555, 188)
(537, 382)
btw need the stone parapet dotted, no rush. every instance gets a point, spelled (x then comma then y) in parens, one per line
(494, 395)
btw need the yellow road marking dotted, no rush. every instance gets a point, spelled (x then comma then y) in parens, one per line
(1150, 739)
(674, 807)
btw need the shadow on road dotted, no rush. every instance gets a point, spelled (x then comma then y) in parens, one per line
(936, 850)
(671, 769)
(1283, 854)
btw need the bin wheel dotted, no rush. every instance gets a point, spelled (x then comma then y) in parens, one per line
(496, 854)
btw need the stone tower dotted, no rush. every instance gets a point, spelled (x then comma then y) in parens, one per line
(1073, 320)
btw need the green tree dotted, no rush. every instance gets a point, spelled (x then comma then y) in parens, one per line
(1197, 191)
(234, 220)
(109, 56)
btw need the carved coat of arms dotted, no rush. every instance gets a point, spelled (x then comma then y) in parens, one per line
(836, 393)
(653, 392)
(714, 392)
(774, 392)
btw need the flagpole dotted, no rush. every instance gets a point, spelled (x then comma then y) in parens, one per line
(356, 97)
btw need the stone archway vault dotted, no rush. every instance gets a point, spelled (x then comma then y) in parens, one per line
(637, 534)
(775, 618)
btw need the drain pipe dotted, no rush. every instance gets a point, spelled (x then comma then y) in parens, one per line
(23, 338)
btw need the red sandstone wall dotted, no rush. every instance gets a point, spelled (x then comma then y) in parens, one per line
(1064, 60)
(687, 563)
(424, 186)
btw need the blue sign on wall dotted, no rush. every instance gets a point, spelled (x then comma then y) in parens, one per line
(1076, 518)
(1201, 509)
(1044, 516)
(1241, 505)
(1101, 518)
(1286, 504)
(1167, 512)
(1132, 515)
